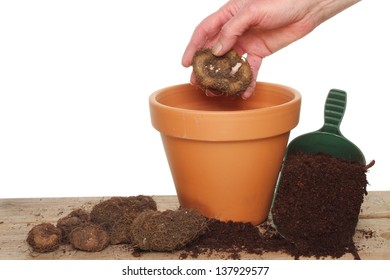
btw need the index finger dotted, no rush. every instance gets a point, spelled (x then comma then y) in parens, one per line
(204, 32)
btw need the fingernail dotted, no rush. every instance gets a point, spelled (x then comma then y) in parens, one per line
(217, 48)
(246, 95)
(211, 93)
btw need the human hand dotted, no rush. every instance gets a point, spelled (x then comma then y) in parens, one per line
(259, 28)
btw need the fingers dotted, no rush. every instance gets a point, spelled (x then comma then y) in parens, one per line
(231, 31)
(203, 33)
(197, 41)
(193, 79)
(249, 91)
(221, 30)
(255, 63)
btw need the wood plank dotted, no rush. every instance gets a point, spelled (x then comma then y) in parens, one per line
(18, 216)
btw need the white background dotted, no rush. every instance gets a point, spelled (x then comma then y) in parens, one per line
(75, 77)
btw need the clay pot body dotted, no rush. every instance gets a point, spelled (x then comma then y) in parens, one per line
(225, 153)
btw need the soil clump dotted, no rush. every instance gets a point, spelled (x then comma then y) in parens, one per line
(231, 239)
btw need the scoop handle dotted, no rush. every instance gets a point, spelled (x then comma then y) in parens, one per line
(335, 105)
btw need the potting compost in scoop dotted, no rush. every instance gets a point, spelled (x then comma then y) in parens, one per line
(318, 202)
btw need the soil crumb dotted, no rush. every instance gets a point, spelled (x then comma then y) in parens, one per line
(366, 233)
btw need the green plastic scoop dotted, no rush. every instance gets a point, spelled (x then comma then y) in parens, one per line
(329, 139)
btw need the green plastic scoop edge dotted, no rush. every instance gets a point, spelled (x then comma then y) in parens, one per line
(329, 139)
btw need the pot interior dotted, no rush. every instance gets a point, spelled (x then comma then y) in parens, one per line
(191, 99)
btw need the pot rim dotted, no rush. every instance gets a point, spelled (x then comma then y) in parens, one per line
(225, 125)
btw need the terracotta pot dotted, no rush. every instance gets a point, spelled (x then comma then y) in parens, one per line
(225, 153)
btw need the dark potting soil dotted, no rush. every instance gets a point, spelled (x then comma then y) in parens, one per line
(318, 202)
(231, 239)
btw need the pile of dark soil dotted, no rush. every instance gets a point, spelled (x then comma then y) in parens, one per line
(318, 202)
(231, 239)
